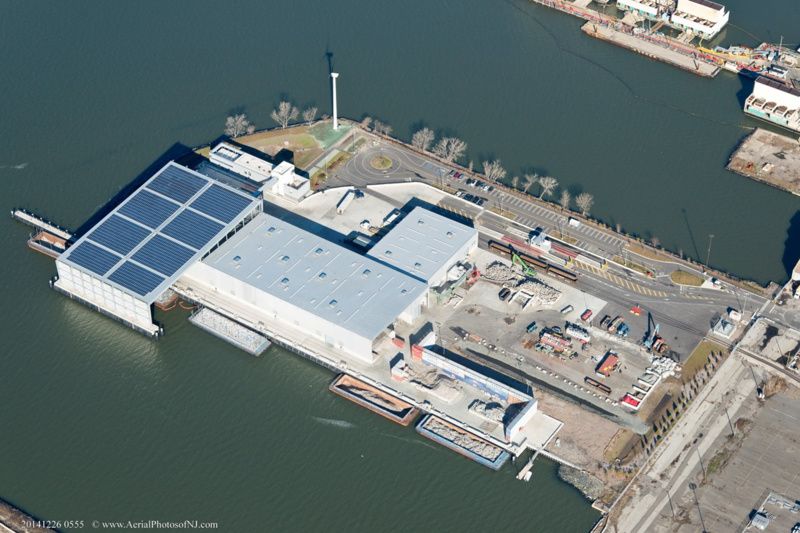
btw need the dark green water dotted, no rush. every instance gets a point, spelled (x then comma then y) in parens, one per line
(100, 423)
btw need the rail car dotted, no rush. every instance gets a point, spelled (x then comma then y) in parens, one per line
(594, 383)
(507, 251)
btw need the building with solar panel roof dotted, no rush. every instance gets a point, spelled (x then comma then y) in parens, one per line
(123, 264)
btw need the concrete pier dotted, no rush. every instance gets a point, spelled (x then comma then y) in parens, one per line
(770, 158)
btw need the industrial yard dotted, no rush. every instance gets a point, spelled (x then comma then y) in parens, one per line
(509, 340)
(770, 158)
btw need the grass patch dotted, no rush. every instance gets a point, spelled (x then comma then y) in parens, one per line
(338, 160)
(681, 277)
(503, 212)
(632, 265)
(380, 162)
(318, 179)
(718, 462)
(305, 147)
(699, 358)
(649, 253)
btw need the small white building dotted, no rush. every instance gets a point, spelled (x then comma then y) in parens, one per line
(426, 245)
(279, 180)
(775, 102)
(288, 278)
(651, 9)
(703, 17)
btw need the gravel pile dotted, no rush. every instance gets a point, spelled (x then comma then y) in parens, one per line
(490, 411)
(540, 291)
(500, 273)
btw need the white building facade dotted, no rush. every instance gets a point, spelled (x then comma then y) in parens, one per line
(703, 17)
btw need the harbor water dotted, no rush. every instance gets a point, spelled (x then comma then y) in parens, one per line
(104, 424)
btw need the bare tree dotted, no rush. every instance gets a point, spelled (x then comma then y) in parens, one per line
(584, 201)
(548, 184)
(530, 179)
(237, 125)
(310, 114)
(493, 170)
(566, 198)
(365, 122)
(450, 149)
(422, 139)
(381, 128)
(285, 113)
(515, 182)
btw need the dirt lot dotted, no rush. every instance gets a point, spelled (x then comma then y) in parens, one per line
(771, 158)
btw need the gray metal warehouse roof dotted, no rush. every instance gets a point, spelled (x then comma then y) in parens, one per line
(145, 243)
(422, 242)
(321, 277)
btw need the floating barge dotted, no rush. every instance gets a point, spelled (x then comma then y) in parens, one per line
(374, 399)
(460, 440)
(230, 331)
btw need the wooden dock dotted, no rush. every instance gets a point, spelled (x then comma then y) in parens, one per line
(26, 217)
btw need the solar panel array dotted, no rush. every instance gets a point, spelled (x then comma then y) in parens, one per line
(158, 230)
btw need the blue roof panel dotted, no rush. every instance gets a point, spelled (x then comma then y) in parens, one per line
(163, 255)
(192, 229)
(135, 278)
(93, 257)
(177, 183)
(148, 208)
(118, 234)
(220, 203)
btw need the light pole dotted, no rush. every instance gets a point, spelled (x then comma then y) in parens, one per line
(335, 75)
(700, 457)
(693, 488)
(669, 498)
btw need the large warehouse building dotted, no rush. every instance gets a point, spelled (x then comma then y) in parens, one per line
(426, 245)
(280, 274)
(126, 261)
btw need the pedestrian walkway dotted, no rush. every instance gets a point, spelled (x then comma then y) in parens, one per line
(622, 282)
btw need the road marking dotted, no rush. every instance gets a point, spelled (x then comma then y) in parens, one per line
(622, 282)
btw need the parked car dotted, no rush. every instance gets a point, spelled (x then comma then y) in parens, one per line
(460, 194)
(452, 173)
(586, 315)
(469, 197)
(531, 327)
(458, 175)
(567, 309)
(503, 294)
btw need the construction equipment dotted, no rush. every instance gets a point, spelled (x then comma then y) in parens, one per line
(526, 269)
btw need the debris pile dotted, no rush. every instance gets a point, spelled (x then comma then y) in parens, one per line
(500, 273)
(491, 411)
(539, 291)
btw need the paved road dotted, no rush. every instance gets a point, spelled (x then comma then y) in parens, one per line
(685, 314)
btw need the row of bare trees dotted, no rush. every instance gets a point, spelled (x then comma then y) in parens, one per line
(283, 115)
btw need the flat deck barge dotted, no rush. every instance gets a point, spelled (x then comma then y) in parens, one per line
(374, 399)
(463, 442)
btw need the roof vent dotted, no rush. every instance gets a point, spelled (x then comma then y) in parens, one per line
(322, 275)
(417, 265)
(271, 229)
(366, 272)
(403, 291)
(420, 221)
(318, 251)
(388, 252)
(285, 258)
(333, 303)
(285, 281)
(237, 258)
(449, 233)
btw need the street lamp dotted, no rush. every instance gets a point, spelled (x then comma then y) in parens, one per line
(693, 488)
(700, 457)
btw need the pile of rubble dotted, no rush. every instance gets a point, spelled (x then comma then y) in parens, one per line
(491, 411)
(663, 366)
(539, 291)
(464, 439)
(500, 273)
